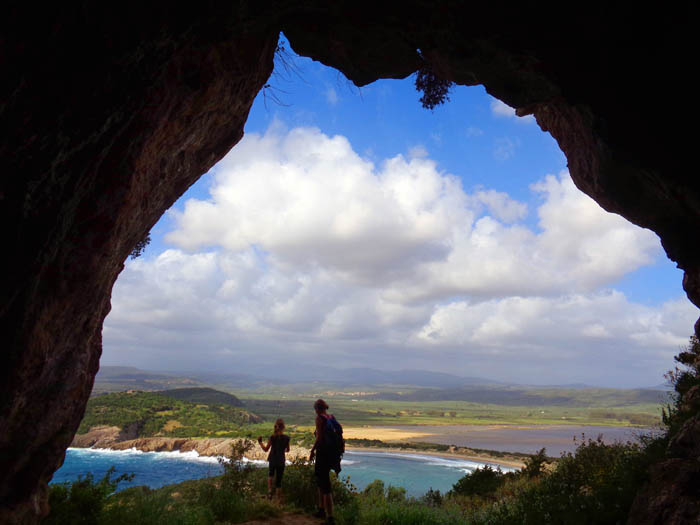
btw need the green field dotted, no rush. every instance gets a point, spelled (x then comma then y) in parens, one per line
(299, 411)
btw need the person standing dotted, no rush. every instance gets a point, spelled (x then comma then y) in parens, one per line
(278, 445)
(323, 464)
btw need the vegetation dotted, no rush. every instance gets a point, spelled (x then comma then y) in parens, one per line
(595, 484)
(140, 246)
(154, 414)
(207, 396)
(585, 408)
(436, 90)
(82, 501)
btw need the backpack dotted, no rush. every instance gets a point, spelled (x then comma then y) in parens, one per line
(334, 444)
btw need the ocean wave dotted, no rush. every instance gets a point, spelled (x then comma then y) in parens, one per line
(465, 465)
(191, 455)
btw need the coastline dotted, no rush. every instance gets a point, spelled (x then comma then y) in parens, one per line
(108, 438)
(507, 461)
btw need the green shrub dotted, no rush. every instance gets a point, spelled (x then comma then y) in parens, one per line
(535, 465)
(81, 501)
(484, 480)
(300, 488)
(597, 484)
(432, 498)
(143, 506)
(371, 511)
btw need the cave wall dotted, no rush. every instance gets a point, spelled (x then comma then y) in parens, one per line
(108, 114)
(107, 117)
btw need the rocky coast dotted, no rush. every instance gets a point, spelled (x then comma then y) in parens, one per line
(115, 439)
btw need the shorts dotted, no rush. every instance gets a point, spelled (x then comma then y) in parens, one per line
(276, 472)
(322, 469)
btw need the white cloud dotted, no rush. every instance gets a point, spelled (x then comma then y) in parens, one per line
(501, 206)
(306, 198)
(306, 245)
(500, 109)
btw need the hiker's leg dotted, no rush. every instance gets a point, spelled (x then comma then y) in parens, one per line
(328, 504)
(278, 482)
(269, 486)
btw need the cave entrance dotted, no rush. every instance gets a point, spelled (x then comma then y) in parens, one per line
(106, 128)
(353, 225)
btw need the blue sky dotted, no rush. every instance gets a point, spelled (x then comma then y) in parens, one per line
(353, 225)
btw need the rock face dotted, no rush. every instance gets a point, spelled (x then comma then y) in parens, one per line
(109, 112)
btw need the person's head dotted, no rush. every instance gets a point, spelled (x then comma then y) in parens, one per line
(279, 426)
(320, 406)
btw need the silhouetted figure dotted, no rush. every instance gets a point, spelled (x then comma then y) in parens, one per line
(324, 462)
(278, 445)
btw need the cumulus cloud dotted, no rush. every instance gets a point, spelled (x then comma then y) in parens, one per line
(305, 246)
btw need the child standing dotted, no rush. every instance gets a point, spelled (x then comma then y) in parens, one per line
(278, 445)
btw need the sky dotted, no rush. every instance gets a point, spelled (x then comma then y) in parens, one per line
(350, 227)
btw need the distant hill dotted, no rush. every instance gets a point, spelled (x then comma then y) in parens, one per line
(148, 414)
(207, 396)
(121, 378)
(341, 377)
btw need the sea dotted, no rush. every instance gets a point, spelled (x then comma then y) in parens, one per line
(417, 473)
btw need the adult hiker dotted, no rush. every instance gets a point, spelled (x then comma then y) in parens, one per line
(327, 450)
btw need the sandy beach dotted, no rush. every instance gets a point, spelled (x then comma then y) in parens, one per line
(462, 453)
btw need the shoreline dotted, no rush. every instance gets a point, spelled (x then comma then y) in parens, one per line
(143, 445)
(508, 461)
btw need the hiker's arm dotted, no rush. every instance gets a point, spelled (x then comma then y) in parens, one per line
(264, 447)
(319, 435)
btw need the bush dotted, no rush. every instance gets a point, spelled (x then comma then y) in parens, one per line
(597, 484)
(482, 481)
(432, 498)
(81, 501)
(143, 506)
(300, 488)
(371, 511)
(535, 465)
(237, 472)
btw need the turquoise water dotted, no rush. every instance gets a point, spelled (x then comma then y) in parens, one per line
(416, 473)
